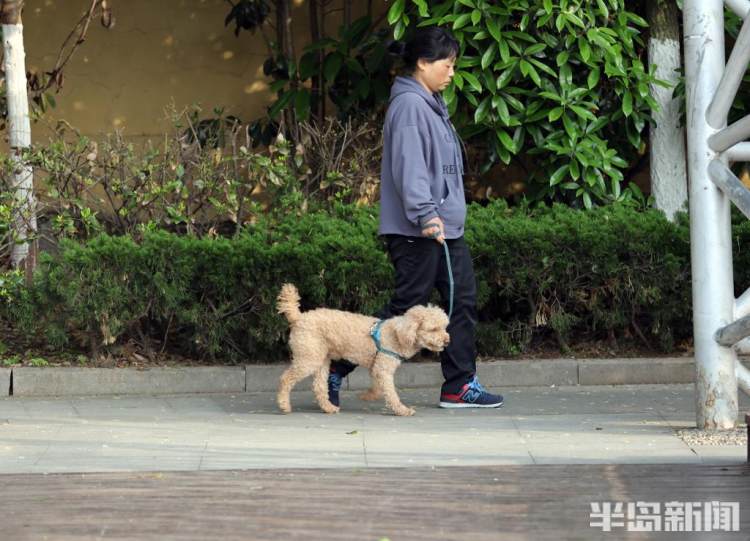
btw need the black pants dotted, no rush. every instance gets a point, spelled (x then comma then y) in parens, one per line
(420, 267)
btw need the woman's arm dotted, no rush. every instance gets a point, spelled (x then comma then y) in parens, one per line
(410, 174)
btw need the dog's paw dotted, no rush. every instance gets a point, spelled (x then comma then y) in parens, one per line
(330, 409)
(405, 412)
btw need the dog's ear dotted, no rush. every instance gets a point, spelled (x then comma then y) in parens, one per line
(408, 326)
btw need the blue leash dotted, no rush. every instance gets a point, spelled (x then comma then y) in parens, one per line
(450, 271)
(450, 277)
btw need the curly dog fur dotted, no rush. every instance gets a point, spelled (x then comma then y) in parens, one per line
(319, 336)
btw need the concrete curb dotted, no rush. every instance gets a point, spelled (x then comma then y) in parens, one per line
(265, 377)
(73, 381)
(70, 381)
(5, 381)
(636, 371)
(529, 373)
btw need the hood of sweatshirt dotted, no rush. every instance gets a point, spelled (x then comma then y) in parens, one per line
(408, 84)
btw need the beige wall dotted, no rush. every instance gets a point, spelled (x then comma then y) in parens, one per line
(159, 52)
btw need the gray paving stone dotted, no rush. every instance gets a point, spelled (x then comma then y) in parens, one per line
(728, 454)
(544, 425)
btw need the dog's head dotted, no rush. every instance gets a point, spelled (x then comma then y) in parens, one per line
(423, 327)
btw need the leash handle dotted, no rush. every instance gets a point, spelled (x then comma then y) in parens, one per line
(435, 234)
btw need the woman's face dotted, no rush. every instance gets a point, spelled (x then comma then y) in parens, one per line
(437, 75)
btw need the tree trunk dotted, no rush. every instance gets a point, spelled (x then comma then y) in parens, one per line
(287, 23)
(317, 90)
(285, 42)
(347, 13)
(10, 11)
(19, 127)
(667, 153)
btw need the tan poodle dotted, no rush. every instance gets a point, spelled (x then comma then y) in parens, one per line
(319, 336)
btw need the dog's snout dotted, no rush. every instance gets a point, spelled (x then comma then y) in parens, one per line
(446, 339)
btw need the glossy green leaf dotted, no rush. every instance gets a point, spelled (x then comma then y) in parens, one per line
(627, 103)
(472, 80)
(494, 30)
(489, 55)
(506, 141)
(395, 11)
(593, 78)
(332, 66)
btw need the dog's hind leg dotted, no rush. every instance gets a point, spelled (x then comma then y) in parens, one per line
(383, 370)
(373, 393)
(290, 378)
(320, 389)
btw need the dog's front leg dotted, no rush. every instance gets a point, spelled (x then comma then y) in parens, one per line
(383, 371)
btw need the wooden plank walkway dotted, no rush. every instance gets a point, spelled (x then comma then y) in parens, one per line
(473, 503)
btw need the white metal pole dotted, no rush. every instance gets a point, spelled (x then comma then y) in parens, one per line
(710, 233)
(740, 7)
(730, 185)
(731, 79)
(728, 137)
(743, 378)
(739, 153)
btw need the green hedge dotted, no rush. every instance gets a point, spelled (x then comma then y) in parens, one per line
(204, 297)
(602, 274)
(610, 273)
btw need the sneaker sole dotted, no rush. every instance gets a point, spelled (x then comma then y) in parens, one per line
(454, 405)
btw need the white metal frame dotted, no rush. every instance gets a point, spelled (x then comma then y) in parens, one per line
(720, 320)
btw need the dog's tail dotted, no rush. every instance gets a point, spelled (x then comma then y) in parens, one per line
(287, 303)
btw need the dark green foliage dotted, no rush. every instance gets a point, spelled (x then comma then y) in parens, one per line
(565, 82)
(205, 297)
(583, 275)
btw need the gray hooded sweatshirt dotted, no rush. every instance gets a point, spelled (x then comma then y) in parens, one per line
(422, 168)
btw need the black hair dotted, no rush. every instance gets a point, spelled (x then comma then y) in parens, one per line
(430, 43)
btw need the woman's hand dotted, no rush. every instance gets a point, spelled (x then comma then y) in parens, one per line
(434, 229)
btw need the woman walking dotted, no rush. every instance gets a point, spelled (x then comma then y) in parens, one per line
(422, 207)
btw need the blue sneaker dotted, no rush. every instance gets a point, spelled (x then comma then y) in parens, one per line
(334, 386)
(472, 395)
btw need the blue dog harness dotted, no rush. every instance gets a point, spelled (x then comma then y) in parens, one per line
(375, 333)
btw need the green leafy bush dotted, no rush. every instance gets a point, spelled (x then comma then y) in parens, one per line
(201, 297)
(598, 274)
(563, 82)
(197, 179)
